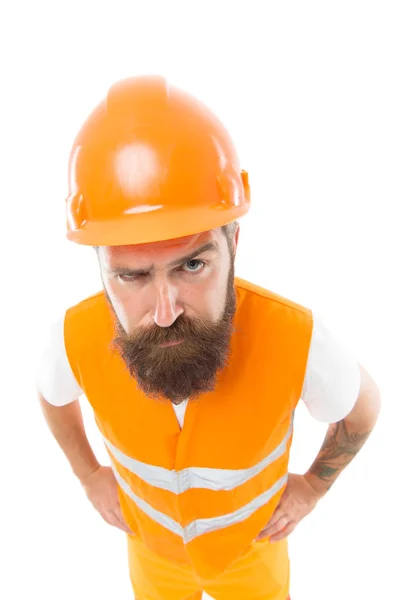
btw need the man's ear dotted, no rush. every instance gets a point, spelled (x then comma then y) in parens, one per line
(235, 241)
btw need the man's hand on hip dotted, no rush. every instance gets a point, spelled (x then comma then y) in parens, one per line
(102, 490)
(298, 500)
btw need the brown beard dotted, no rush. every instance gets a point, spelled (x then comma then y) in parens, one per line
(185, 370)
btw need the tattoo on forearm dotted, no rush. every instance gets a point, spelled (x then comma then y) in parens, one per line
(337, 451)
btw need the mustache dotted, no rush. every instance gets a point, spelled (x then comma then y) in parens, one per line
(183, 327)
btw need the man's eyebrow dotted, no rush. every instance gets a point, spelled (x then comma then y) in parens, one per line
(207, 247)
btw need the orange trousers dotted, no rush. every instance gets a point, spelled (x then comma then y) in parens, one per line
(257, 574)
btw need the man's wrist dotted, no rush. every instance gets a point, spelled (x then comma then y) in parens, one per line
(319, 486)
(84, 474)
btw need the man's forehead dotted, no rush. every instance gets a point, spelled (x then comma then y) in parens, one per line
(163, 250)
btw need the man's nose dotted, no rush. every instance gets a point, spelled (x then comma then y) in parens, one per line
(167, 308)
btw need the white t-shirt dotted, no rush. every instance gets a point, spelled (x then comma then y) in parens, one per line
(330, 389)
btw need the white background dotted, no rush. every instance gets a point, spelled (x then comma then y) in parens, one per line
(309, 92)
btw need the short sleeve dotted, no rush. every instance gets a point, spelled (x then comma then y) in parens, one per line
(332, 380)
(54, 376)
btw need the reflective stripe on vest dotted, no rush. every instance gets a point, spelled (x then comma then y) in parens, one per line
(196, 477)
(200, 526)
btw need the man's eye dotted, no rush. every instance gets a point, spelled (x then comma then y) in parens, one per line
(191, 266)
(193, 263)
(126, 277)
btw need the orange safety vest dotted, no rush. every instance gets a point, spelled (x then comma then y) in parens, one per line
(200, 494)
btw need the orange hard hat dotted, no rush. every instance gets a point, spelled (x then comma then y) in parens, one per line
(152, 163)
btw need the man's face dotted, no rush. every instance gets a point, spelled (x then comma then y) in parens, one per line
(173, 313)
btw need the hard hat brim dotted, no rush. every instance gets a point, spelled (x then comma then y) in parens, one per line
(154, 224)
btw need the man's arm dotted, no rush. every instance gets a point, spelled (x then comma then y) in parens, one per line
(66, 425)
(345, 438)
